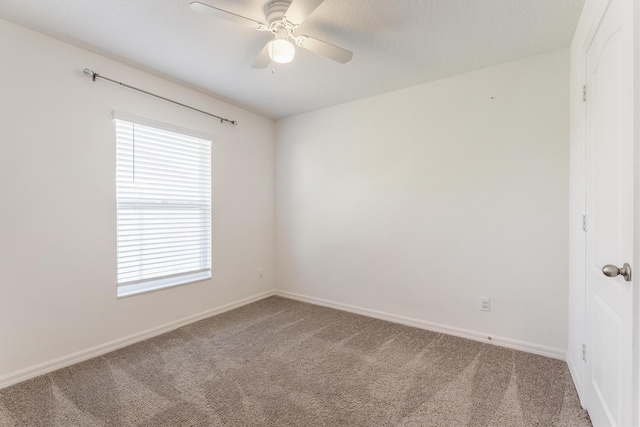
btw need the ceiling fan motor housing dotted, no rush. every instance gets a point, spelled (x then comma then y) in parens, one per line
(275, 11)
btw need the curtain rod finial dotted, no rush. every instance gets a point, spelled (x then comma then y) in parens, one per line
(87, 72)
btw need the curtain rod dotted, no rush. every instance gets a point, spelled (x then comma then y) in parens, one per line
(95, 76)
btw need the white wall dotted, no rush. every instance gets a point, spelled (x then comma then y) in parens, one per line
(417, 202)
(57, 198)
(414, 203)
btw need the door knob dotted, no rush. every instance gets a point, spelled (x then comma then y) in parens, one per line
(613, 271)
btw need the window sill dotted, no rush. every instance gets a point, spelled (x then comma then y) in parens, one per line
(156, 285)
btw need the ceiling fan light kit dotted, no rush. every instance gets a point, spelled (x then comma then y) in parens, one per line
(281, 51)
(283, 18)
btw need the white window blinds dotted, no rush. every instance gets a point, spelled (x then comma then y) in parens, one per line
(164, 207)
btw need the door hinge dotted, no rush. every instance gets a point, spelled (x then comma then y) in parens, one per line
(584, 352)
(584, 223)
(584, 93)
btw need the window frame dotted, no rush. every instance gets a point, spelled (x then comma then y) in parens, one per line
(144, 285)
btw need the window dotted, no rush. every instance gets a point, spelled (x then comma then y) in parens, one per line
(164, 206)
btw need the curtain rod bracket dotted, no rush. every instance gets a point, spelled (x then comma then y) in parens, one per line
(89, 73)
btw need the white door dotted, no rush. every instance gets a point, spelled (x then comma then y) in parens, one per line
(609, 210)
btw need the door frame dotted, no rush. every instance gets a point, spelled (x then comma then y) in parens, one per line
(636, 207)
(592, 15)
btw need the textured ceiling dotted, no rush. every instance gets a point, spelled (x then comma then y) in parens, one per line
(396, 43)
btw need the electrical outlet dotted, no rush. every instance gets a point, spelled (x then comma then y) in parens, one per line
(260, 274)
(485, 304)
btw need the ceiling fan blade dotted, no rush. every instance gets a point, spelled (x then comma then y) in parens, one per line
(325, 49)
(299, 10)
(227, 16)
(263, 60)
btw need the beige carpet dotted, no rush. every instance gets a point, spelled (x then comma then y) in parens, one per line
(281, 362)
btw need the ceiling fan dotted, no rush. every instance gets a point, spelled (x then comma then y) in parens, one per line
(282, 19)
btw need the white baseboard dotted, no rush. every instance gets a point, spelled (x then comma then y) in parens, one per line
(82, 355)
(79, 356)
(528, 347)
